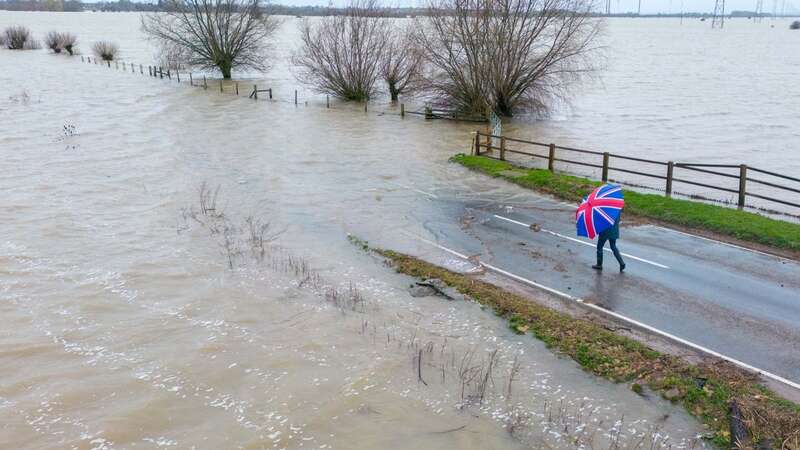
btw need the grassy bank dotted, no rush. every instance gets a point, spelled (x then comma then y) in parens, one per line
(741, 225)
(707, 391)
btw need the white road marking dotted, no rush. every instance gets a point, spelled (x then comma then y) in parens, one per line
(617, 316)
(646, 261)
(728, 244)
(413, 189)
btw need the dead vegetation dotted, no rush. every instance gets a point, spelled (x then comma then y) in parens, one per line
(252, 240)
(490, 381)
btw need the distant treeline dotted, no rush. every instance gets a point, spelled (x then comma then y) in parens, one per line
(127, 5)
(284, 10)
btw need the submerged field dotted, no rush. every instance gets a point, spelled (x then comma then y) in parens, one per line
(139, 315)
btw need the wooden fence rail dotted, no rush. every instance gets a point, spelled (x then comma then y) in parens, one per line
(660, 170)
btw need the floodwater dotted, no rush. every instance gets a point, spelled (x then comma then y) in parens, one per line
(175, 272)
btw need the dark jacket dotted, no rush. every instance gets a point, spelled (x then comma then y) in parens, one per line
(612, 232)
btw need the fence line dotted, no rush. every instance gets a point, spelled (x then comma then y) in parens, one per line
(158, 72)
(612, 162)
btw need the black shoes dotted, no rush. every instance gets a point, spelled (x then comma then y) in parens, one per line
(600, 267)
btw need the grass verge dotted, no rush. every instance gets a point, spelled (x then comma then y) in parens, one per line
(707, 390)
(742, 225)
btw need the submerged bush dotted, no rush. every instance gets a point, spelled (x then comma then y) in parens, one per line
(53, 41)
(107, 51)
(19, 38)
(69, 42)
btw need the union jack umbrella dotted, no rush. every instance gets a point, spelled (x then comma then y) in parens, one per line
(599, 210)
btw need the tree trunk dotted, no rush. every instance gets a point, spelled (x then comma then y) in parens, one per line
(225, 68)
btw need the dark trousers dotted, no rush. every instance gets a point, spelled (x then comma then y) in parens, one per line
(601, 242)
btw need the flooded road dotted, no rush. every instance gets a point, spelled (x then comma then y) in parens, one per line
(139, 315)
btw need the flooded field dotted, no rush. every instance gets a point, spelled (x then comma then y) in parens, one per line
(176, 273)
(666, 90)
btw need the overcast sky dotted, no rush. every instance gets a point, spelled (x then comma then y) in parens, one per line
(648, 6)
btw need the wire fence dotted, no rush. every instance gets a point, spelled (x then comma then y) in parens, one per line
(743, 182)
(253, 91)
(768, 188)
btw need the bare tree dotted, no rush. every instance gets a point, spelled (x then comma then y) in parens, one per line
(53, 41)
(69, 41)
(507, 54)
(341, 55)
(402, 62)
(220, 34)
(106, 51)
(19, 38)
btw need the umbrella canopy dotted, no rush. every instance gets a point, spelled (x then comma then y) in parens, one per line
(599, 210)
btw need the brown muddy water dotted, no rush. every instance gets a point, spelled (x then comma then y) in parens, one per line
(137, 315)
(665, 90)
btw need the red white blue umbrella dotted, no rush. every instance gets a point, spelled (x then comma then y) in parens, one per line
(599, 210)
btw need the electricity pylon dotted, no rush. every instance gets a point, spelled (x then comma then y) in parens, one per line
(719, 14)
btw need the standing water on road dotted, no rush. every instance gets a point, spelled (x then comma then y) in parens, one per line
(139, 312)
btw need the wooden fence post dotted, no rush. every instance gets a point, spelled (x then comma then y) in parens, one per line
(551, 157)
(178, 74)
(402, 109)
(295, 97)
(160, 72)
(109, 64)
(255, 92)
(169, 74)
(141, 69)
(237, 88)
(205, 82)
(670, 168)
(270, 93)
(605, 166)
(477, 143)
(365, 106)
(150, 70)
(191, 81)
(220, 86)
(327, 101)
(742, 185)
(502, 148)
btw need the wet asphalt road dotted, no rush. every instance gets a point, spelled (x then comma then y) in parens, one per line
(737, 302)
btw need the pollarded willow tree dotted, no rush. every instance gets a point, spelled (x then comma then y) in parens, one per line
(402, 62)
(341, 55)
(221, 34)
(507, 55)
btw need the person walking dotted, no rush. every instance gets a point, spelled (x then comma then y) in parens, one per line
(610, 234)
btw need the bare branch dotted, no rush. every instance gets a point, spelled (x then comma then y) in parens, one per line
(220, 34)
(506, 55)
(341, 55)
